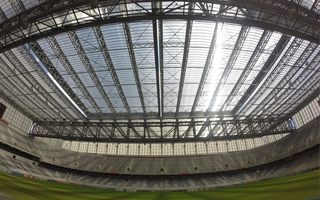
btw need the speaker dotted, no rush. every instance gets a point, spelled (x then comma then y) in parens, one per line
(2, 110)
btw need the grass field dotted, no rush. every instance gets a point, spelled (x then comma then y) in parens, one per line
(304, 186)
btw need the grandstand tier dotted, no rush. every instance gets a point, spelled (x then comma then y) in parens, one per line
(289, 155)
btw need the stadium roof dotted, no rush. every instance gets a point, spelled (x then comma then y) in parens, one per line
(141, 69)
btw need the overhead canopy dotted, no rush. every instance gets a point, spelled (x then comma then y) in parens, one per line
(159, 60)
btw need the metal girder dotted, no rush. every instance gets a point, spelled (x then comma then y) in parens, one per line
(308, 86)
(30, 85)
(157, 56)
(250, 65)
(17, 103)
(185, 57)
(277, 95)
(251, 88)
(109, 131)
(110, 66)
(53, 17)
(37, 50)
(204, 76)
(17, 86)
(274, 74)
(232, 59)
(18, 6)
(154, 115)
(71, 72)
(31, 79)
(266, 67)
(90, 69)
(304, 101)
(207, 65)
(310, 89)
(296, 90)
(27, 102)
(3, 17)
(316, 6)
(134, 65)
(161, 59)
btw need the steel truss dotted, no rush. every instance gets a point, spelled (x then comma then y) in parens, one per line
(53, 17)
(149, 131)
(303, 81)
(22, 69)
(284, 40)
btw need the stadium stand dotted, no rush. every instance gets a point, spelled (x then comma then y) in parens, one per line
(292, 154)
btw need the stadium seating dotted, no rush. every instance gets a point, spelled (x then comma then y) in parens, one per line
(178, 172)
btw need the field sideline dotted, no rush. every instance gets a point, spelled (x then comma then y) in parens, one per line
(304, 186)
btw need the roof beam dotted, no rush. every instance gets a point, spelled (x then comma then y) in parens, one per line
(134, 65)
(228, 129)
(185, 57)
(73, 74)
(2, 15)
(276, 94)
(232, 59)
(270, 80)
(206, 68)
(26, 54)
(303, 99)
(161, 64)
(250, 65)
(204, 76)
(307, 97)
(154, 115)
(157, 44)
(90, 69)
(35, 48)
(309, 84)
(17, 86)
(308, 90)
(262, 73)
(25, 104)
(34, 88)
(303, 60)
(38, 22)
(18, 103)
(112, 70)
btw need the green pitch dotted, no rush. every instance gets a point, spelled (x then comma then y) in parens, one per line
(304, 186)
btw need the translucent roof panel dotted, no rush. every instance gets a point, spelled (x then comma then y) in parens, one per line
(173, 48)
(79, 67)
(259, 63)
(227, 35)
(276, 75)
(11, 7)
(92, 49)
(118, 48)
(54, 59)
(110, 69)
(7, 8)
(201, 36)
(242, 57)
(142, 39)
